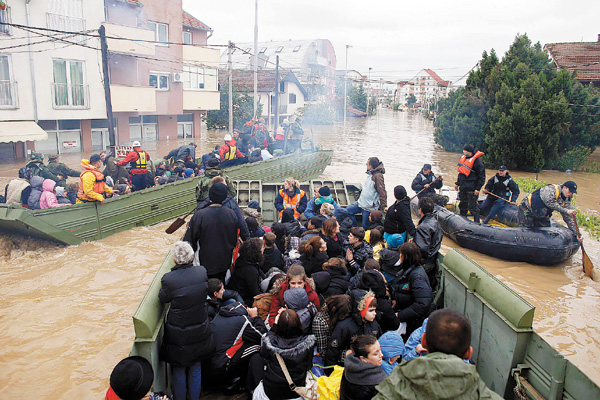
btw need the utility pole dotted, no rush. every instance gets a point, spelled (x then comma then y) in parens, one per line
(346, 85)
(230, 94)
(369, 91)
(276, 93)
(255, 58)
(109, 111)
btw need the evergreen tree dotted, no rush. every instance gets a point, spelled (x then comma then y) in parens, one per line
(243, 107)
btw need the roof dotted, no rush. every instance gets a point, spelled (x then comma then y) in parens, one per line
(191, 21)
(434, 75)
(244, 79)
(582, 57)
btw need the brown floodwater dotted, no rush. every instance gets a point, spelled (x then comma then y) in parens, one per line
(65, 312)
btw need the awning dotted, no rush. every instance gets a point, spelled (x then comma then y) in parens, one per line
(21, 131)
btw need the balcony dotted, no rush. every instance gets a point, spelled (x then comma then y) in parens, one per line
(65, 96)
(4, 20)
(201, 100)
(133, 98)
(202, 55)
(8, 95)
(127, 46)
(70, 24)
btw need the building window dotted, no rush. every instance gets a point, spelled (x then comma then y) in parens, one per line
(297, 49)
(4, 20)
(279, 49)
(187, 37)
(281, 86)
(161, 32)
(8, 88)
(159, 80)
(66, 15)
(292, 99)
(69, 89)
(197, 78)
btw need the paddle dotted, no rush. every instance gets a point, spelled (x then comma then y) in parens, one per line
(178, 223)
(437, 179)
(501, 198)
(588, 267)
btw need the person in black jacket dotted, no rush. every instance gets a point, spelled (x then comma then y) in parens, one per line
(245, 278)
(429, 239)
(238, 334)
(502, 185)
(426, 182)
(471, 177)
(292, 225)
(330, 233)
(374, 281)
(212, 233)
(411, 289)
(296, 350)
(398, 221)
(333, 280)
(272, 257)
(187, 337)
(362, 321)
(358, 250)
(362, 369)
(314, 256)
(218, 297)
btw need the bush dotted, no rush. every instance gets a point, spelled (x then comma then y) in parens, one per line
(317, 114)
(528, 185)
(573, 159)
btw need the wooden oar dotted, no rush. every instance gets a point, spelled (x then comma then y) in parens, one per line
(436, 179)
(501, 198)
(178, 223)
(588, 267)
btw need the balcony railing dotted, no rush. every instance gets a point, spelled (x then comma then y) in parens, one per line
(8, 94)
(70, 24)
(70, 96)
(4, 20)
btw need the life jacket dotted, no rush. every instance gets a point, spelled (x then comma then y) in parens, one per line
(98, 186)
(141, 162)
(465, 165)
(291, 202)
(231, 153)
(535, 199)
(279, 134)
(426, 178)
(506, 190)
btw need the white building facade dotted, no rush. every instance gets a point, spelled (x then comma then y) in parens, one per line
(426, 86)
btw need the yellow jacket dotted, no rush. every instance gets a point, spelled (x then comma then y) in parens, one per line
(91, 184)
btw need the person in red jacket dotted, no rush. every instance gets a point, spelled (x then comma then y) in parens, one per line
(229, 150)
(295, 278)
(138, 159)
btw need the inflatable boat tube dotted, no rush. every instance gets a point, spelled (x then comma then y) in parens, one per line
(540, 245)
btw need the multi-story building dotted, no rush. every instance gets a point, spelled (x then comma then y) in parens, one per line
(159, 87)
(312, 61)
(426, 86)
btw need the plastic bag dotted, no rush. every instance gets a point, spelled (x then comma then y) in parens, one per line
(328, 387)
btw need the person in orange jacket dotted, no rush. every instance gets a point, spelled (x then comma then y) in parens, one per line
(91, 181)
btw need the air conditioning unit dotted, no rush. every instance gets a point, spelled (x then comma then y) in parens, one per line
(178, 77)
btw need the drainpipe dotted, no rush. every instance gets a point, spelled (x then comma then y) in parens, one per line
(31, 67)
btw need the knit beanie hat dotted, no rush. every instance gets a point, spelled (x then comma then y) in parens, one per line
(324, 191)
(218, 193)
(470, 148)
(392, 344)
(253, 204)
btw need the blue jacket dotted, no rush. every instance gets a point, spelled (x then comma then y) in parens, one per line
(310, 208)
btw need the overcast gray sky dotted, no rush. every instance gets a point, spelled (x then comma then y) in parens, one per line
(397, 38)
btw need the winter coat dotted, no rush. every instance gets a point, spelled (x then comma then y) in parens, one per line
(14, 191)
(254, 213)
(245, 280)
(398, 218)
(234, 332)
(38, 168)
(310, 234)
(331, 282)
(388, 258)
(314, 264)
(279, 302)
(184, 151)
(36, 192)
(374, 196)
(429, 237)
(61, 169)
(114, 171)
(392, 346)
(187, 337)
(214, 305)
(232, 205)
(503, 186)
(297, 299)
(359, 379)
(421, 180)
(61, 197)
(347, 329)
(212, 232)
(334, 247)
(548, 203)
(320, 328)
(312, 209)
(476, 178)
(299, 209)
(297, 354)
(293, 228)
(386, 317)
(48, 198)
(272, 258)
(413, 294)
(204, 184)
(435, 376)
(262, 303)
(361, 254)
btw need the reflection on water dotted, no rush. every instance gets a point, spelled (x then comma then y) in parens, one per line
(66, 311)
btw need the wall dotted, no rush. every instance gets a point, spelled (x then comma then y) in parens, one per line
(167, 126)
(294, 89)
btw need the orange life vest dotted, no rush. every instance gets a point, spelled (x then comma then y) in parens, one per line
(465, 165)
(291, 202)
(98, 186)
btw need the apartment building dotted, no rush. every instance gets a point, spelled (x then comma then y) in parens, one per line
(51, 84)
(426, 86)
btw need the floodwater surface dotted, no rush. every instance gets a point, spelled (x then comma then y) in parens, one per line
(65, 312)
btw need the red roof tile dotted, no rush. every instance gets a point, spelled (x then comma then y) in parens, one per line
(433, 75)
(189, 20)
(581, 57)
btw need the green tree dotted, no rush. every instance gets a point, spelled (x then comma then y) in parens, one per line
(243, 107)
(411, 100)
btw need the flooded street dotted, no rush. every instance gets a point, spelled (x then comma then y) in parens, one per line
(66, 312)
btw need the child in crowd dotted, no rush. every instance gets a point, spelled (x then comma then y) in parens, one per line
(392, 348)
(272, 257)
(131, 379)
(333, 280)
(376, 241)
(48, 198)
(295, 278)
(280, 232)
(362, 369)
(253, 210)
(358, 251)
(262, 302)
(61, 197)
(335, 309)
(218, 296)
(297, 299)
(314, 255)
(253, 228)
(292, 225)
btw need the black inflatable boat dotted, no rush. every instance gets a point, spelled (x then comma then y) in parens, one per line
(541, 245)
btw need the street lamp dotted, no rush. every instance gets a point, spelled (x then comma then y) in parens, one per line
(346, 84)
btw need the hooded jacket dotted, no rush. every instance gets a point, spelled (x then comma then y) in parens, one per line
(33, 202)
(297, 354)
(435, 376)
(279, 301)
(14, 191)
(61, 196)
(48, 198)
(335, 248)
(314, 264)
(214, 305)
(359, 379)
(392, 346)
(293, 228)
(245, 280)
(232, 205)
(235, 334)
(297, 299)
(187, 337)
(374, 195)
(312, 209)
(272, 259)
(335, 280)
(398, 218)
(349, 328)
(429, 237)
(386, 317)
(413, 295)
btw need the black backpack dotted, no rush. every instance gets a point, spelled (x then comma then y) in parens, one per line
(25, 173)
